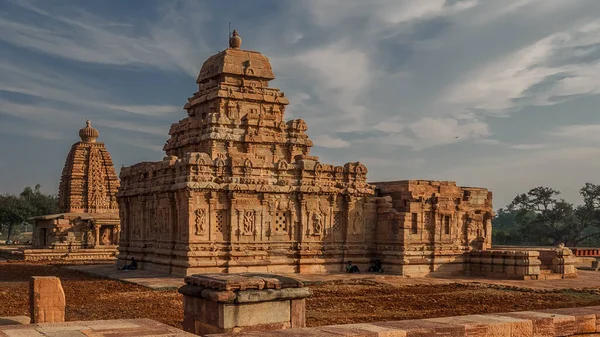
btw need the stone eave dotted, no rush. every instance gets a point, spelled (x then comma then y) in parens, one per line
(74, 215)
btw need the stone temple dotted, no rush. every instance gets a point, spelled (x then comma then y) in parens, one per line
(238, 190)
(88, 226)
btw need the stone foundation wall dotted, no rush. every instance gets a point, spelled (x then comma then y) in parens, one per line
(522, 264)
(584, 321)
(95, 254)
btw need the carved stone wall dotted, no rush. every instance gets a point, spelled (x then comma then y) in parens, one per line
(239, 191)
(432, 223)
(89, 182)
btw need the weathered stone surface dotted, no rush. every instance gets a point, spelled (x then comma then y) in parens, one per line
(89, 217)
(241, 302)
(238, 191)
(298, 313)
(46, 300)
(250, 296)
(103, 328)
(559, 322)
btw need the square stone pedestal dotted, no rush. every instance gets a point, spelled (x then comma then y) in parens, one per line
(218, 303)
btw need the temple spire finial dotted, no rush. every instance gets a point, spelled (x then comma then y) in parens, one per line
(88, 134)
(235, 41)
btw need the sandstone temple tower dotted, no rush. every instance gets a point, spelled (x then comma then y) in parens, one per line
(239, 191)
(88, 225)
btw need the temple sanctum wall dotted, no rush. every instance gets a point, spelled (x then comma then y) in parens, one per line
(239, 191)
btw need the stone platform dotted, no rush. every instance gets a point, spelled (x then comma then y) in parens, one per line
(584, 321)
(89, 255)
(106, 328)
(146, 278)
(158, 281)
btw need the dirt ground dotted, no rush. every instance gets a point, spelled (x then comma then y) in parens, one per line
(90, 298)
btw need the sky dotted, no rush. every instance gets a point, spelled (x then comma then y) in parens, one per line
(495, 94)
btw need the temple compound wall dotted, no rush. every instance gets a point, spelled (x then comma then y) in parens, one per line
(88, 226)
(239, 191)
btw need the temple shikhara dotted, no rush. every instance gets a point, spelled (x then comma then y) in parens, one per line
(238, 190)
(88, 226)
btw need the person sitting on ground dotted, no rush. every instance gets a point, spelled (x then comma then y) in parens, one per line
(132, 266)
(376, 267)
(351, 269)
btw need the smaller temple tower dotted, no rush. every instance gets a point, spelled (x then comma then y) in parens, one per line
(88, 225)
(89, 182)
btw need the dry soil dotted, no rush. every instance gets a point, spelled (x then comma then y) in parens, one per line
(90, 298)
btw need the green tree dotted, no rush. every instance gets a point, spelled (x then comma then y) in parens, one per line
(545, 219)
(16, 210)
(40, 203)
(505, 228)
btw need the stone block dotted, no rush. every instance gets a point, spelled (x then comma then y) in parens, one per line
(585, 318)
(242, 302)
(46, 300)
(488, 325)
(546, 324)
(298, 313)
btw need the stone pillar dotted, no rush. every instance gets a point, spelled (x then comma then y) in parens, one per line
(96, 235)
(218, 303)
(46, 300)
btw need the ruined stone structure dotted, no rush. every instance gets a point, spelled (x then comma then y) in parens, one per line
(239, 191)
(88, 226)
(428, 226)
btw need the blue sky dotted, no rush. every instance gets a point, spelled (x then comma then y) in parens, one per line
(499, 94)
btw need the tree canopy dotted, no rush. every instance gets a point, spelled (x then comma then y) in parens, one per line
(540, 217)
(16, 210)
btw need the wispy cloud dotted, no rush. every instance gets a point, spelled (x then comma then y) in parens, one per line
(550, 71)
(75, 34)
(527, 146)
(330, 142)
(585, 133)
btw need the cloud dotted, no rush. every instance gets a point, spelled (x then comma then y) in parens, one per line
(330, 13)
(147, 110)
(436, 131)
(428, 131)
(584, 133)
(546, 72)
(32, 130)
(131, 126)
(75, 34)
(340, 75)
(527, 146)
(566, 168)
(392, 125)
(330, 142)
(34, 112)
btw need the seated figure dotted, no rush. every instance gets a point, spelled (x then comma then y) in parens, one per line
(131, 266)
(350, 268)
(376, 267)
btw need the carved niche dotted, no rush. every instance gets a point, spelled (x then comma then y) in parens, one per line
(248, 223)
(357, 219)
(318, 212)
(199, 221)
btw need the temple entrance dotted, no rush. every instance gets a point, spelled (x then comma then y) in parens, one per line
(43, 237)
